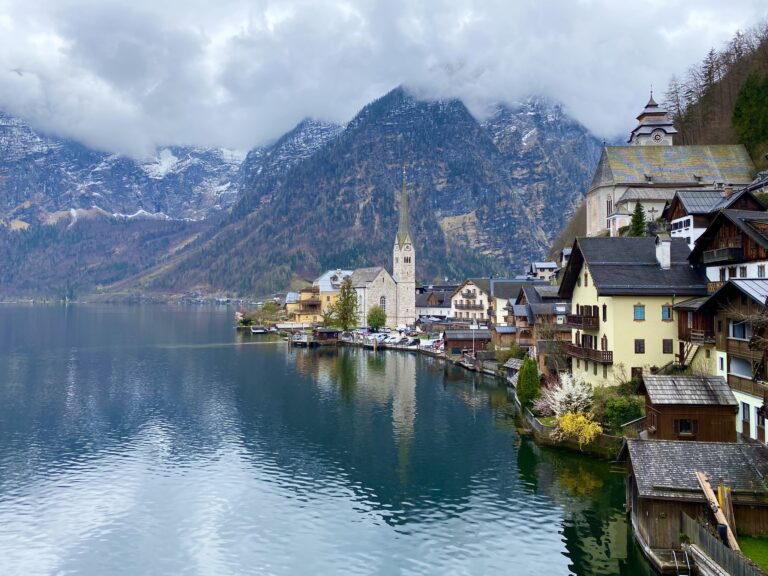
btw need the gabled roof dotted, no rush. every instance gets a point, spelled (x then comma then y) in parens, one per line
(666, 469)
(673, 165)
(443, 299)
(756, 289)
(483, 284)
(513, 363)
(506, 288)
(708, 201)
(363, 276)
(646, 195)
(331, 280)
(689, 390)
(753, 223)
(628, 266)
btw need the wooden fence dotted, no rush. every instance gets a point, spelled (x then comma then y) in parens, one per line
(732, 562)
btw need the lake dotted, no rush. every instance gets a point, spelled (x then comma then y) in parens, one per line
(157, 440)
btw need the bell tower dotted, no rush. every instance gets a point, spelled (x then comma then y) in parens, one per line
(654, 127)
(404, 264)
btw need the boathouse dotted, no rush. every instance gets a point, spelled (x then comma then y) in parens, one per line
(662, 486)
(457, 341)
(679, 407)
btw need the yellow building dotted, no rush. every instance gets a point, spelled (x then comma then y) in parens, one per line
(623, 292)
(318, 298)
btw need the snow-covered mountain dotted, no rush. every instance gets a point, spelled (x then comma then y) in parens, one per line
(42, 176)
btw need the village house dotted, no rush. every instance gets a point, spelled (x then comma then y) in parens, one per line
(695, 336)
(471, 300)
(663, 490)
(696, 408)
(739, 320)
(538, 315)
(502, 291)
(329, 284)
(622, 292)
(652, 167)
(691, 212)
(309, 308)
(735, 245)
(434, 303)
(541, 270)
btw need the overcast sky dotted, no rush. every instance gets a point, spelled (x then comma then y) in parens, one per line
(133, 75)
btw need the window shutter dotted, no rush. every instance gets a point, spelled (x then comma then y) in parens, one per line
(676, 426)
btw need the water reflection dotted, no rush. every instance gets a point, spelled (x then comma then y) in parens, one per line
(137, 441)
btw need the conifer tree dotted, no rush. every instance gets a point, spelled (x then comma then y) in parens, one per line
(528, 386)
(637, 226)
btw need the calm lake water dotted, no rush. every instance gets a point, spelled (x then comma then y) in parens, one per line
(155, 440)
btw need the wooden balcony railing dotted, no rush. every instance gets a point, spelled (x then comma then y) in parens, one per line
(747, 385)
(701, 336)
(722, 255)
(469, 294)
(601, 356)
(583, 322)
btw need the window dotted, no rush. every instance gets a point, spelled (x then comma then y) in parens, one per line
(639, 346)
(666, 313)
(639, 312)
(719, 326)
(609, 206)
(605, 313)
(586, 365)
(706, 353)
(578, 363)
(745, 412)
(595, 368)
(637, 373)
(666, 346)
(761, 271)
(604, 343)
(732, 272)
(739, 330)
(722, 274)
(578, 281)
(652, 420)
(605, 371)
(722, 364)
(742, 271)
(383, 303)
(686, 426)
(586, 278)
(407, 259)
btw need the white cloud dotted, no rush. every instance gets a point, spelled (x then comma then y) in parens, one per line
(129, 76)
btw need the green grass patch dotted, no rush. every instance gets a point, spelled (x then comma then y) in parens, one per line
(756, 549)
(548, 420)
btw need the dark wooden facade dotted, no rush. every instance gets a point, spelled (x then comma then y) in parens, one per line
(677, 210)
(728, 244)
(456, 345)
(703, 423)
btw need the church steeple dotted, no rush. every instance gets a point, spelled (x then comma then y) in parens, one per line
(404, 229)
(654, 127)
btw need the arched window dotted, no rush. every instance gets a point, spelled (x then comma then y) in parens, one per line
(605, 313)
(383, 303)
(604, 343)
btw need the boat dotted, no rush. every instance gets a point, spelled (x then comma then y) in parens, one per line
(259, 330)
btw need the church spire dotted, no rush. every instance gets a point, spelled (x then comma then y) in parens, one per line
(404, 229)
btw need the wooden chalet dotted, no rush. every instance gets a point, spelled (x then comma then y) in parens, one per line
(698, 408)
(740, 320)
(695, 333)
(735, 245)
(662, 486)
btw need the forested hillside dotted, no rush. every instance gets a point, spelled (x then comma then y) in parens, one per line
(724, 99)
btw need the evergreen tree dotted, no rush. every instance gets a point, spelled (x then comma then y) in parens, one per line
(345, 309)
(528, 386)
(377, 317)
(637, 226)
(750, 113)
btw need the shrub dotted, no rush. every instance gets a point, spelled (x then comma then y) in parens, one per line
(528, 387)
(514, 352)
(571, 394)
(580, 427)
(612, 407)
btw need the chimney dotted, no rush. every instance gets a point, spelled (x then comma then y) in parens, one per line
(728, 191)
(663, 251)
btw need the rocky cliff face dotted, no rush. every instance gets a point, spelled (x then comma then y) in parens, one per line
(486, 197)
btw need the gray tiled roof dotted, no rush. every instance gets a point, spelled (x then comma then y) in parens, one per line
(665, 468)
(507, 288)
(627, 266)
(480, 334)
(513, 363)
(673, 165)
(362, 276)
(691, 390)
(648, 194)
(443, 299)
(757, 288)
(691, 304)
(703, 201)
(505, 329)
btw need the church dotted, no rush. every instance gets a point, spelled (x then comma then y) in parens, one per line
(651, 168)
(395, 293)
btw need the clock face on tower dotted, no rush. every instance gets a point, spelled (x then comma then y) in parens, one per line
(657, 137)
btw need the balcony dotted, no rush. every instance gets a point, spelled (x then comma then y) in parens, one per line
(600, 356)
(469, 294)
(583, 322)
(747, 385)
(468, 306)
(701, 337)
(731, 251)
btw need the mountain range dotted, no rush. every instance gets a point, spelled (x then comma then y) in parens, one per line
(487, 195)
